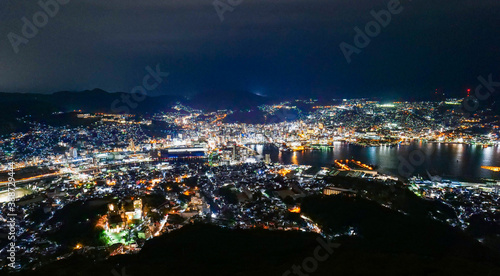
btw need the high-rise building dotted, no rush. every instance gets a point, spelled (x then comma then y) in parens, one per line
(73, 153)
(138, 209)
(131, 146)
(267, 158)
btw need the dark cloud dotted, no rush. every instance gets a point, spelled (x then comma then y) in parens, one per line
(271, 47)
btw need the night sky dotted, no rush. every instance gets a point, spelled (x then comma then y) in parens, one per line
(279, 47)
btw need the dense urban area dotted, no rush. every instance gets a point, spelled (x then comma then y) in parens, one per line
(101, 185)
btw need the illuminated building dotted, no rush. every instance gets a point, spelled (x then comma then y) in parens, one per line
(338, 191)
(268, 159)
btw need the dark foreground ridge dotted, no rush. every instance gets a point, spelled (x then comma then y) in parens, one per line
(386, 243)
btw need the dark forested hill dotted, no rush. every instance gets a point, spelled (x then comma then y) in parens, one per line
(385, 242)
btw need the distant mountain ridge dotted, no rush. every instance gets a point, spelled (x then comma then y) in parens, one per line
(218, 99)
(98, 100)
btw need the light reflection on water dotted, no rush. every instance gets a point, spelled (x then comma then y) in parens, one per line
(448, 160)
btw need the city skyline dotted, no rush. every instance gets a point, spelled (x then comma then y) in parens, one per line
(249, 137)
